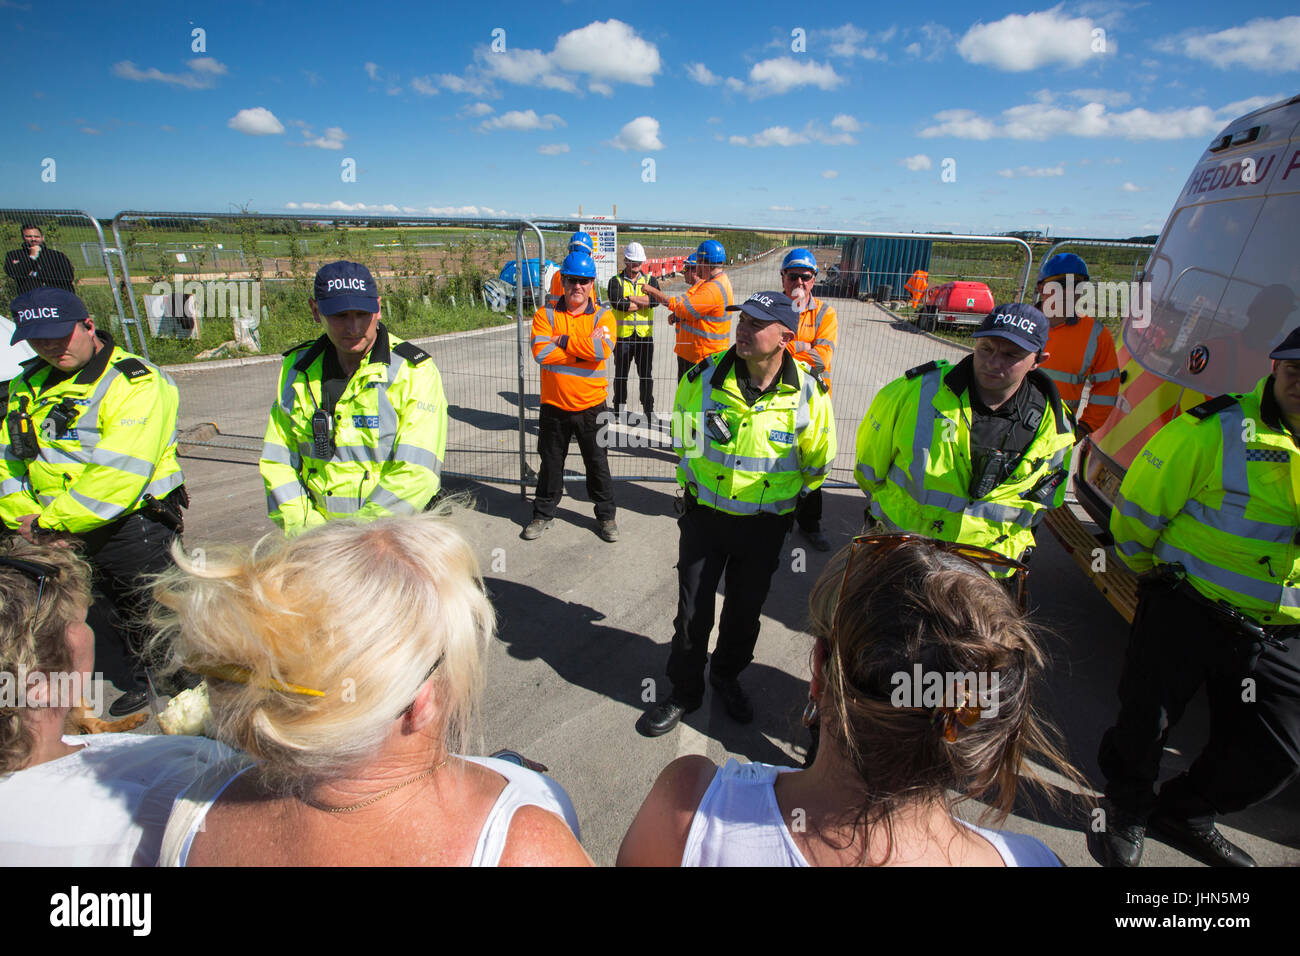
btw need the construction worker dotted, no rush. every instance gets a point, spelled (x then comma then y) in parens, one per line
(814, 346)
(755, 431)
(916, 285)
(90, 460)
(578, 242)
(973, 452)
(359, 423)
(634, 316)
(703, 328)
(572, 338)
(1206, 516)
(688, 273)
(1082, 351)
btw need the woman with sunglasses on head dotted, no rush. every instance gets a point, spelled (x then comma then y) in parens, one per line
(99, 800)
(896, 757)
(347, 664)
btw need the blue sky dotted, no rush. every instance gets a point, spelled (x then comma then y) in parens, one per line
(1082, 117)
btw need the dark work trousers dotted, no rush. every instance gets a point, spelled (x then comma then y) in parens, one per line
(121, 555)
(748, 550)
(809, 511)
(555, 428)
(1253, 752)
(684, 366)
(642, 352)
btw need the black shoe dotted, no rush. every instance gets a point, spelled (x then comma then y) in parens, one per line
(535, 528)
(664, 717)
(607, 530)
(129, 703)
(816, 539)
(734, 699)
(1121, 842)
(1209, 846)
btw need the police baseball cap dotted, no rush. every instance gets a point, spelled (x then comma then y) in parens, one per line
(770, 307)
(1018, 323)
(344, 286)
(46, 313)
(1290, 347)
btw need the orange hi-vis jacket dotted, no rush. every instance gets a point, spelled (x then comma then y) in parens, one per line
(703, 326)
(573, 370)
(814, 343)
(917, 285)
(1079, 352)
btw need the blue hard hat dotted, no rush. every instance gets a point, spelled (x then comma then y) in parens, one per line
(581, 240)
(691, 260)
(1063, 264)
(578, 264)
(799, 259)
(711, 253)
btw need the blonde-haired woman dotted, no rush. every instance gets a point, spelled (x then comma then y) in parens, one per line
(347, 663)
(893, 760)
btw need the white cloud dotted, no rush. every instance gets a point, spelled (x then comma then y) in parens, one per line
(840, 134)
(258, 121)
(912, 49)
(1023, 172)
(1018, 43)
(783, 74)
(424, 85)
(847, 42)
(781, 208)
(641, 134)
(394, 91)
(553, 149)
(610, 52)
(1105, 97)
(332, 138)
(772, 136)
(1037, 121)
(1130, 188)
(523, 119)
(917, 162)
(372, 70)
(338, 205)
(734, 84)
(202, 76)
(830, 174)
(476, 109)
(847, 123)
(464, 211)
(1263, 44)
(701, 74)
(471, 85)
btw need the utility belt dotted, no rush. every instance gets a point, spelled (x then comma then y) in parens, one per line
(1173, 577)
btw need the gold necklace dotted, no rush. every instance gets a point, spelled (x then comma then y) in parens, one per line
(377, 797)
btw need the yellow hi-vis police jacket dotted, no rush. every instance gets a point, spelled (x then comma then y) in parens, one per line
(1217, 490)
(781, 447)
(389, 435)
(119, 445)
(914, 461)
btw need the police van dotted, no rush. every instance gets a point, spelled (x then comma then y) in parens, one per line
(1225, 290)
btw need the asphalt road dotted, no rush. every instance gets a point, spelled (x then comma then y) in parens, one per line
(585, 626)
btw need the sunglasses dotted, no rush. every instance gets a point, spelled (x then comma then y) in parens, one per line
(35, 570)
(801, 276)
(578, 280)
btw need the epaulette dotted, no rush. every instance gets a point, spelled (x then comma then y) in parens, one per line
(411, 352)
(1212, 407)
(132, 368)
(925, 369)
(298, 347)
(816, 374)
(696, 370)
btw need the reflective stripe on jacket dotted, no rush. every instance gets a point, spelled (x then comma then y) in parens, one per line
(120, 446)
(1217, 494)
(389, 436)
(814, 343)
(1079, 353)
(703, 326)
(633, 325)
(914, 461)
(573, 370)
(781, 446)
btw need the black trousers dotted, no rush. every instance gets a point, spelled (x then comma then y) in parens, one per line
(121, 556)
(556, 428)
(642, 352)
(748, 550)
(1253, 752)
(809, 511)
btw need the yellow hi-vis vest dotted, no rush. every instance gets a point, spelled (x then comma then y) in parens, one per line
(641, 323)
(1217, 490)
(119, 446)
(782, 445)
(914, 461)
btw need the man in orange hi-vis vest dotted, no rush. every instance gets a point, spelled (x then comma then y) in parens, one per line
(703, 326)
(572, 339)
(1080, 349)
(917, 285)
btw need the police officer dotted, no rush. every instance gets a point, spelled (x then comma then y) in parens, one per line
(634, 318)
(359, 423)
(755, 432)
(1207, 516)
(814, 346)
(973, 452)
(90, 460)
(1081, 349)
(703, 327)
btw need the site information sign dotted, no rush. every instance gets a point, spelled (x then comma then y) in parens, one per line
(605, 237)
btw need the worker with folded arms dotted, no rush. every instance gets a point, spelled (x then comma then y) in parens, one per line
(703, 326)
(634, 316)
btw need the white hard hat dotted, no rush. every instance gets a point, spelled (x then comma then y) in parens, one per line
(634, 252)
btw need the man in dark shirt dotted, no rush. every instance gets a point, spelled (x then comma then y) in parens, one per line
(35, 265)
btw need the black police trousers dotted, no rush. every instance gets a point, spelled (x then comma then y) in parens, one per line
(555, 429)
(642, 352)
(809, 511)
(1176, 645)
(747, 549)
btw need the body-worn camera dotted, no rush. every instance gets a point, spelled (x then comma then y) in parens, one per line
(62, 415)
(322, 440)
(717, 427)
(996, 468)
(22, 436)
